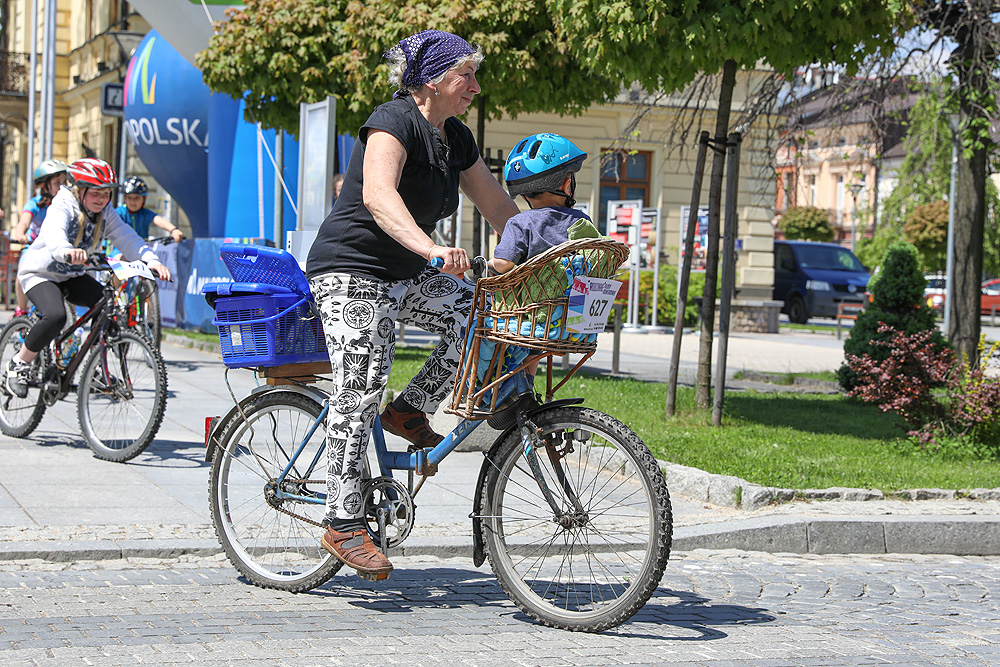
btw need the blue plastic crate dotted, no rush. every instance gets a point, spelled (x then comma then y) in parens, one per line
(269, 330)
(259, 264)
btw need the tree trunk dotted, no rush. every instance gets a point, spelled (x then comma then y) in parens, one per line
(703, 381)
(970, 224)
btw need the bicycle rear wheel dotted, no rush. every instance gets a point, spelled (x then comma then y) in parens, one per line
(20, 416)
(120, 412)
(594, 563)
(274, 543)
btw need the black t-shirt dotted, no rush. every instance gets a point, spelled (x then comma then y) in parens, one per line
(349, 240)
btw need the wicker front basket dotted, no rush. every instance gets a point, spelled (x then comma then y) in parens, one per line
(526, 307)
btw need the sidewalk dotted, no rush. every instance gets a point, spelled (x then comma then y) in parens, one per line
(59, 503)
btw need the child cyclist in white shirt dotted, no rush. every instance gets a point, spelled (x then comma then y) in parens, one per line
(79, 218)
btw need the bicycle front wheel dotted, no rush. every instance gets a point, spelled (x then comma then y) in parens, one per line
(121, 397)
(273, 541)
(20, 416)
(595, 559)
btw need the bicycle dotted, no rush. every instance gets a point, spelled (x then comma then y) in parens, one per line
(122, 393)
(578, 538)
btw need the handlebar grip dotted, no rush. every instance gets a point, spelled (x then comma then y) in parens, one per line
(436, 262)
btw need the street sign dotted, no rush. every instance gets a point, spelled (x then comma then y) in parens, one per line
(113, 99)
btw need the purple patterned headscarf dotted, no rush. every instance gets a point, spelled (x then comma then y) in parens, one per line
(428, 54)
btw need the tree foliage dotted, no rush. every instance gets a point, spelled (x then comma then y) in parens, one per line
(275, 54)
(806, 223)
(927, 229)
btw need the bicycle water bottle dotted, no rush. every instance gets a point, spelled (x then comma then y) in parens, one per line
(70, 347)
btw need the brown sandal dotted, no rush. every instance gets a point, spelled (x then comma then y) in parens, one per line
(356, 549)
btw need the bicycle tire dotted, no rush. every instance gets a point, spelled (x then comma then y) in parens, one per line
(600, 566)
(271, 548)
(121, 419)
(20, 416)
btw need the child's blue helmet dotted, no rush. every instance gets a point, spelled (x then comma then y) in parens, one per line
(539, 163)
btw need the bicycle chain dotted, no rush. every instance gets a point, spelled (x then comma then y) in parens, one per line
(289, 512)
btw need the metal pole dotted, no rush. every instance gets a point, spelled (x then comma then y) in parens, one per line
(50, 76)
(122, 157)
(728, 271)
(32, 91)
(949, 289)
(279, 193)
(684, 278)
(44, 102)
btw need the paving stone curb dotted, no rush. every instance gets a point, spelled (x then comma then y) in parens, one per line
(957, 535)
(729, 491)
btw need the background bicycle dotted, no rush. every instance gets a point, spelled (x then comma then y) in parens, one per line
(122, 390)
(138, 303)
(571, 509)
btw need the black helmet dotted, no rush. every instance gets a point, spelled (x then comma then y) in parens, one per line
(135, 186)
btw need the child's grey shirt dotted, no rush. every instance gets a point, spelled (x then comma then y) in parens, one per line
(534, 231)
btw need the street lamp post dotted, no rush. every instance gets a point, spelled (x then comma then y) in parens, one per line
(855, 189)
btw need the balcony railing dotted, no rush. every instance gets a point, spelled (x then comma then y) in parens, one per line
(13, 73)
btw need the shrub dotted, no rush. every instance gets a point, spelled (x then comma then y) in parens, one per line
(897, 301)
(963, 421)
(806, 223)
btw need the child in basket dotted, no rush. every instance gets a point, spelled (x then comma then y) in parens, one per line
(542, 169)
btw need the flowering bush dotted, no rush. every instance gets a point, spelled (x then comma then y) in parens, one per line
(962, 419)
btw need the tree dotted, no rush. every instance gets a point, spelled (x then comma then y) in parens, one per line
(275, 54)
(927, 229)
(806, 223)
(898, 301)
(665, 45)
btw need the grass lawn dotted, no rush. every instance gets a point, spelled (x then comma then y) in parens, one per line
(195, 335)
(788, 440)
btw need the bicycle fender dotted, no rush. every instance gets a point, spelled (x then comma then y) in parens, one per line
(219, 427)
(478, 550)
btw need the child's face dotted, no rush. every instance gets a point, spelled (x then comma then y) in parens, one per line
(54, 184)
(134, 202)
(95, 200)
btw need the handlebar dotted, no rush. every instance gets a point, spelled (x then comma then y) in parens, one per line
(478, 266)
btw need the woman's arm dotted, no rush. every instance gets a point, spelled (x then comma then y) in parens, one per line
(383, 168)
(20, 233)
(491, 199)
(168, 226)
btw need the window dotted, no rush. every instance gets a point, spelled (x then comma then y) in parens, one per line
(813, 145)
(624, 176)
(842, 141)
(811, 181)
(840, 195)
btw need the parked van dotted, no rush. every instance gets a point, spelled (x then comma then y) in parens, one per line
(813, 279)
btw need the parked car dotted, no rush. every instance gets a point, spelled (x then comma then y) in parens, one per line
(937, 288)
(814, 279)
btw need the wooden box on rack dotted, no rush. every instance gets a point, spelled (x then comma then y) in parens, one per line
(296, 373)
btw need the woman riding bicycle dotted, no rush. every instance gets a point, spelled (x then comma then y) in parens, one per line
(369, 266)
(79, 218)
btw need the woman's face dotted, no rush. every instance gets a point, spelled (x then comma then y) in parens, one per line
(95, 200)
(457, 88)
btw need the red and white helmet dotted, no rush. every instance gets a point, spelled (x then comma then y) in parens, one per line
(93, 173)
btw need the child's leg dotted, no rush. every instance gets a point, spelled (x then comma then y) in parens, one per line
(22, 298)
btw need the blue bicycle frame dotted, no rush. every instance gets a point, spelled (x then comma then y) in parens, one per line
(417, 461)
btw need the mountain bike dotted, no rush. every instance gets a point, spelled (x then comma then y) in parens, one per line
(122, 390)
(571, 508)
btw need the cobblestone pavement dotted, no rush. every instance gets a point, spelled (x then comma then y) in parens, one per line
(713, 609)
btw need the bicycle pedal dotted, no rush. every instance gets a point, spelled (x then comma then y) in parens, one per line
(373, 577)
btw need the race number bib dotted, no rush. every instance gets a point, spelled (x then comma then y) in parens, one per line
(590, 301)
(126, 270)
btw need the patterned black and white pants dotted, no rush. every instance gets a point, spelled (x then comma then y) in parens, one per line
(359, 319)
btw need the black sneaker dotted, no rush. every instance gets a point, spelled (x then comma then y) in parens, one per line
(17, 376)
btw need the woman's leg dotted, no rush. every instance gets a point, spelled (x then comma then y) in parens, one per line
(439, 303)
(359, 326)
